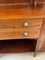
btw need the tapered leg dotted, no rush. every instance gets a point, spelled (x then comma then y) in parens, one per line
(41, 38)
(34, 55)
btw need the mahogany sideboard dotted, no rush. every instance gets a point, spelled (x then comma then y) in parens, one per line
(19, 20)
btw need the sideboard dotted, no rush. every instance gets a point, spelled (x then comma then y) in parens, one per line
(22, 20)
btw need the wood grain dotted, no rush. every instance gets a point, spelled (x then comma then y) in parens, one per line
(18, 9)
(14, 1)
(11, 12)
(19, 23)
(41, 37)
(18, 34)
(14, 29)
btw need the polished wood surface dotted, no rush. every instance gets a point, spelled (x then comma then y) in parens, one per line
(41, 37)
(13, 34)
(8, 12)
(40, 1)
(14, 1)
(14, 13)
(19, 23)
(17, 10)
(15, 29)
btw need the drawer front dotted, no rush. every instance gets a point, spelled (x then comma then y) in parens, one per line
(15, 29)
(17, 34)
(21, 23)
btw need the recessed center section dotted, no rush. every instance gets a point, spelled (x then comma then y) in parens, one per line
(17, 46)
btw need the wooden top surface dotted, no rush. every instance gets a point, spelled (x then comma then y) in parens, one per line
(14, 1)
(8, 11)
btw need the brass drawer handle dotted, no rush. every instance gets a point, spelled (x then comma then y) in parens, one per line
(26, 24)
(25, 34)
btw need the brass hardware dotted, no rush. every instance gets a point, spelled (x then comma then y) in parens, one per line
(25, 34)
(26, 24)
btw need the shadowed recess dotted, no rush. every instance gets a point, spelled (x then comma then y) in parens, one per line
(17, 46)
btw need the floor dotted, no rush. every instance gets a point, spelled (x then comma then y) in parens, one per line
(27, 56)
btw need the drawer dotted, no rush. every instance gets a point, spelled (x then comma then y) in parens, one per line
(18, 33)
(16, 29)
(21, 23)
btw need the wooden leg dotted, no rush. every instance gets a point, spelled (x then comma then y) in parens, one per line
(34, 55)
(41, 38)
